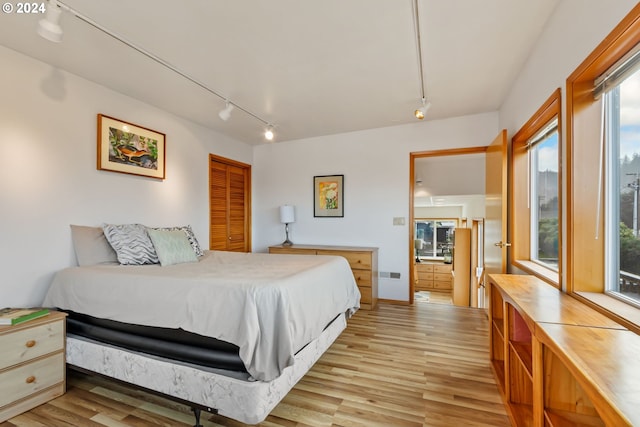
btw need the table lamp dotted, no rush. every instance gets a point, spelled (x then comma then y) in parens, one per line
(287, 216)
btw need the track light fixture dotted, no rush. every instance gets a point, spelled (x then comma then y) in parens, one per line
(226, 113)
(268, 133)
(422, 111)
(49, 28)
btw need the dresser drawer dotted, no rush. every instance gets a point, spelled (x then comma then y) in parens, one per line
(363, 277)
(29, 343)
(31, 378)
(425, 276)
(424, 268)
(442, 268)
(442, 277)
(357, 260)
(442, 285)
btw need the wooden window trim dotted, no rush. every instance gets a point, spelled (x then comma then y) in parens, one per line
(585, 250)
(520, 211)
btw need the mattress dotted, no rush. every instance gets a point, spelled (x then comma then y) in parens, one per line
(268, 305)
(175, 344)
(231, 396)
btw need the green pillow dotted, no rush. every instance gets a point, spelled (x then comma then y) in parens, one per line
(172, 247)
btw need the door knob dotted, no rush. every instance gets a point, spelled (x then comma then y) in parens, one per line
(500, 244)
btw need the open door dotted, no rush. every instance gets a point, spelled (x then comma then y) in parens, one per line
(495, 227)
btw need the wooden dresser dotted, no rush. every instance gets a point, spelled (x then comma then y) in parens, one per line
(433, 276)
(32, 364)
(363, 262)
(557, 361)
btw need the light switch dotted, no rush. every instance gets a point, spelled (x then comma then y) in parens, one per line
(398, 220)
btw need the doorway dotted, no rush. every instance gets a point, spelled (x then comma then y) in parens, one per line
(446, 186)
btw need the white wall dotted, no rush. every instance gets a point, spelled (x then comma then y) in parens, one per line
(375, 165)
(48, 176)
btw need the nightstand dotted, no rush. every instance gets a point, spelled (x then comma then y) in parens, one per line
(32, 363)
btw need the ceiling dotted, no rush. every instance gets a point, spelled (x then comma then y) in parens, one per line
(311, 68)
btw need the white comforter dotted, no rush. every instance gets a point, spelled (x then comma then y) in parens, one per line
(269, 305)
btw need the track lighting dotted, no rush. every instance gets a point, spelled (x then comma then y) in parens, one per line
(422, 111)
(268, 133)
(226, 113)
(49, 26)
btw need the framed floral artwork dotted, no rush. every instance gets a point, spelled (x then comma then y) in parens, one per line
(328, 196)
(128, 148)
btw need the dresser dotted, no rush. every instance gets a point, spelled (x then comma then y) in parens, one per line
(32, 364)
(433, 276)
(363, 262)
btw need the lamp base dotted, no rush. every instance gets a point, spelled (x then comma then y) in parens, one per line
(287, 243)
(418, 259)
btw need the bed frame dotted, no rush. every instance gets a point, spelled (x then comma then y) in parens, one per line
(217, 391)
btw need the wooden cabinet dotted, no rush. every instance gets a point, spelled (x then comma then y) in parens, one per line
(362, 260)
(32, 364)
(558, 362)
(432, 276)
(229, 205)
(462, 267)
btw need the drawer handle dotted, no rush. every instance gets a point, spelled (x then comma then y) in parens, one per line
(30, 343)
(30, 379)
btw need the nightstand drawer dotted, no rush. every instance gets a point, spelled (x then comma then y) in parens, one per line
(424, 268)
(30, 343)
(31, 378)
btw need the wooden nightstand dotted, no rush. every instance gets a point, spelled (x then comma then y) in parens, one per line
(32, 364)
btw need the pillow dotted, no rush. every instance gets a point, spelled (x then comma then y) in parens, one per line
(172, 246)
(190, 236)
(131, 243)
(91, 246)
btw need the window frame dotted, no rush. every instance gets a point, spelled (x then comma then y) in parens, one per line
(456, 224)
(586, 257)
(520, 225)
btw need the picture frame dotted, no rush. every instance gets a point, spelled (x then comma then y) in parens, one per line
(129, 148)
(328, 196)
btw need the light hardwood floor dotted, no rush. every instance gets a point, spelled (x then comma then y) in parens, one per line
(421, 365)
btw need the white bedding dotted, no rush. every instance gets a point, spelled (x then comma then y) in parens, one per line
(269, 305)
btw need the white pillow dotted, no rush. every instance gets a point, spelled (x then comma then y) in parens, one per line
(172, 246)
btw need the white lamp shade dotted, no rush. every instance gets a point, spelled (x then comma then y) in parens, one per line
(287, 214)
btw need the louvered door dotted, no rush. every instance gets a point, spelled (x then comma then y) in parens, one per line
(229, 205)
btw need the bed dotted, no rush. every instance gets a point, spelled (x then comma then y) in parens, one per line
(230, 333)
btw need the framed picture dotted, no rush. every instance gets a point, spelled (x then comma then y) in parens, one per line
(128, 148)
(328, 196)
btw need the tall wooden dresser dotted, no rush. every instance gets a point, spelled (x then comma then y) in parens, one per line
(363, 262)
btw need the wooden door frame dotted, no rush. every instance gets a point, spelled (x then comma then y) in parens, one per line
(412, 180)
(247, 193)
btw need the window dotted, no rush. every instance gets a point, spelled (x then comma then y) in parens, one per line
(536, 193)
(433, 237)
(543, 193)
(602, 255)
(621, 186)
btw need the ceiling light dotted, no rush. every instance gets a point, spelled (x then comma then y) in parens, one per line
(268, 133)
(49, 27)
(226, 113)
(422, 111)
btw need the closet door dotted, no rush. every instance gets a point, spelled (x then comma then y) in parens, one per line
(229, 205)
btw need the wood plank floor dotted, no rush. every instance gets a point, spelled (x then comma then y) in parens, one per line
(421, 365)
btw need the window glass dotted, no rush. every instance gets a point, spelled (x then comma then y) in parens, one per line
(433, 237)
(543, 176)
(621, 189)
